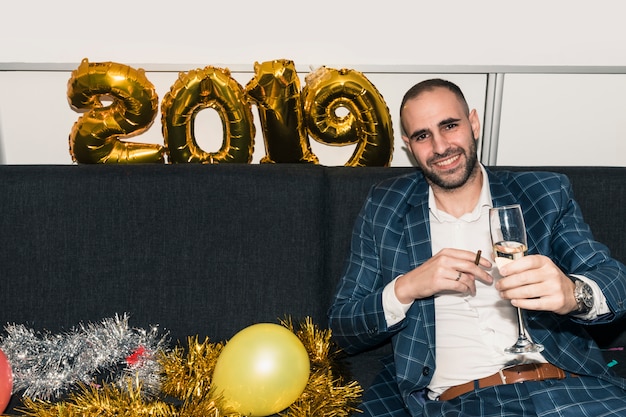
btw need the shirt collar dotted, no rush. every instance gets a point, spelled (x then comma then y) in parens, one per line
(484, 201)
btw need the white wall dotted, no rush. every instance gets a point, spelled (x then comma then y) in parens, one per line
(394, 44)
(320, 32)
(559, 119)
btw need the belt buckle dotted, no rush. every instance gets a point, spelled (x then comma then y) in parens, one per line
(502, 376)
(510, 365)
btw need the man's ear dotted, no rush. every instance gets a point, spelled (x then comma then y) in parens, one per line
(405, 140)
(475, 123)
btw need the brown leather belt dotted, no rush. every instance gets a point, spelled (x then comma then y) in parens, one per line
(511, 375)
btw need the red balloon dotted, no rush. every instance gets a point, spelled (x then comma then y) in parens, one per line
(6, 382)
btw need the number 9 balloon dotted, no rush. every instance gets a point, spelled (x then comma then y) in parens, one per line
(367, 123)
(262, 370)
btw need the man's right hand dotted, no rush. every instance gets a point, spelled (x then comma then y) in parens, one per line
(449, 270)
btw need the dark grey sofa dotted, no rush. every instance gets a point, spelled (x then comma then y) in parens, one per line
(208, 250)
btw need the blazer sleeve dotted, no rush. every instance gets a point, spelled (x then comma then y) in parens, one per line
(570, 242)
(356, 316)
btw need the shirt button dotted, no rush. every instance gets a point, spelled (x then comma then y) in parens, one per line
(426, 371)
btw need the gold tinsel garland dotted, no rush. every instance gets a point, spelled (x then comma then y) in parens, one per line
(186, 386)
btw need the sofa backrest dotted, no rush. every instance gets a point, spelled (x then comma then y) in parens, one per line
(201, 249)
(196, 250)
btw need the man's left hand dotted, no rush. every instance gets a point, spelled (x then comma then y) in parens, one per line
(534, 282)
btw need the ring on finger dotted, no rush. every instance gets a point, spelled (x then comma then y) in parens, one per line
(458, 277)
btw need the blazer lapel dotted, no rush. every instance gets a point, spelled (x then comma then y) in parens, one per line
(500, 195)
(417, 226)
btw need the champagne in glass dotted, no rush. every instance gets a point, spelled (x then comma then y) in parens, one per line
(506, 251)
(508, 235)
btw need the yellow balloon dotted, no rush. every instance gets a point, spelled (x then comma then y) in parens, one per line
(262, 370)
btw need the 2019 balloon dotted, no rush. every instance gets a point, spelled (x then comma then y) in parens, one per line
(6, 382)
(335, 107)
(95, 136)
(199, 89)
(275, 89)
(367, 122)
(262, 370)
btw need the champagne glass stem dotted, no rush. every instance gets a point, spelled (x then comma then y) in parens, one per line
(523, 344)
(520, 324)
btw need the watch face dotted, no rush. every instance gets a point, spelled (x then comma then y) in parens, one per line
(584, 295)
(587, 294)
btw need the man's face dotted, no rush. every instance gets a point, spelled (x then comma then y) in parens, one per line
(442, 137)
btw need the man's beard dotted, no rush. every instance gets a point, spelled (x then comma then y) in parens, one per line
(468, 171)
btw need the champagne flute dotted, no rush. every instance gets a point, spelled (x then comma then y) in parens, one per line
(508, 235)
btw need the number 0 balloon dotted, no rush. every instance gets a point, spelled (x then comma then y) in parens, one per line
(207, 88)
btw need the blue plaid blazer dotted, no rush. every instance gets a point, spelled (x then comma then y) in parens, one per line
(392, 236)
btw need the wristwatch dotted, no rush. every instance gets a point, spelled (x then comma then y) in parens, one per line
(583, 295)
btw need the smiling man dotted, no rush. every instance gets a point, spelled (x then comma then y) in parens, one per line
(413, 277)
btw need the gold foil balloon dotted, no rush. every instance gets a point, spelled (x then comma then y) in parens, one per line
(276, 90)
(329, 92)
(262, 370)
(197, 90)
(95, 137)
(6, 382)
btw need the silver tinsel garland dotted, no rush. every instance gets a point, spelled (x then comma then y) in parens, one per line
(46, 366)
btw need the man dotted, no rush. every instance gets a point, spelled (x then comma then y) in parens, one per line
(413, 277)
